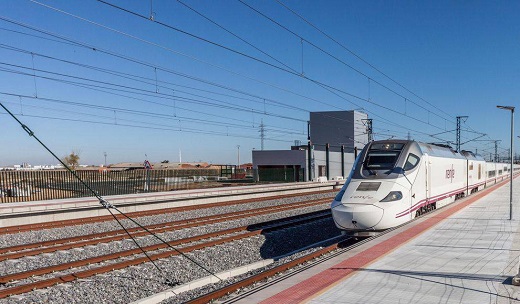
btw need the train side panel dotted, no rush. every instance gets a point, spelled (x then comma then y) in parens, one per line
(497, 172)
(446, 180)
(419, 202)
(504, 171)
(476, 176)
(490, 173)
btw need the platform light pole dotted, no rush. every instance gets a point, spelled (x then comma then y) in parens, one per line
(518, 137)
(512, 109)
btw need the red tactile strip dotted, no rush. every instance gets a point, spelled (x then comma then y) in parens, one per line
(325, 279)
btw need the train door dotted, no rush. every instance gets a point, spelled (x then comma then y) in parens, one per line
(469, 176)
(420, 188)
(428, 177)
(427, 180)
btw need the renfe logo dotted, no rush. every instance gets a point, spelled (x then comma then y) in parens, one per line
(450, 173)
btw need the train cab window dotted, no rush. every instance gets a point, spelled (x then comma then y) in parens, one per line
(411, 162)
(381, 160)
(383, 156)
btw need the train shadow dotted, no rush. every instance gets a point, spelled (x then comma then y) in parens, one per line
(283, 241)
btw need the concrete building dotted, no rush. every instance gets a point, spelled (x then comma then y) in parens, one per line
(336, 136)
(339, 128)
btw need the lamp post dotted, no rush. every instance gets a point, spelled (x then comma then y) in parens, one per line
(512, 109)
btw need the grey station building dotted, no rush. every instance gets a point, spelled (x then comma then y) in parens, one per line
(335, 138)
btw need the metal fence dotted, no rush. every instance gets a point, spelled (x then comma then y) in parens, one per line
(22, 186)
(288, 174)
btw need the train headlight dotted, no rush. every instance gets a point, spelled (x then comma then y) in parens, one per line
(392, 196)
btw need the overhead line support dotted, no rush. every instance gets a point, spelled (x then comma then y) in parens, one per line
(457, 145)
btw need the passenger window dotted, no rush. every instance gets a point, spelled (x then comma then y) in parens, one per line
(411, 162)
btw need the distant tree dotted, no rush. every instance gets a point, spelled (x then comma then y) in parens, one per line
(165, 161)
(72, 160)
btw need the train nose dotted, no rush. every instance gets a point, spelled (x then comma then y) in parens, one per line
(359, 216)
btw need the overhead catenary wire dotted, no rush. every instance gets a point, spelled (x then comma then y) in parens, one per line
(159, 128)
(144, 63)
(196, 130)
(271, 129)
(107, 205)
(319, 83)
(143, 125)
(107, 71)
(290, 71)
(97, 49)
(233, 34)
(145, 80)
(351, 52)
(263, 99)
(121, 32)
(134, 90)
(147, 113)
(328, 53)
(255, 47)
(151, 92)
(358, 56)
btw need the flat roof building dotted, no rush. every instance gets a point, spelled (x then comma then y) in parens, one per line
(335, 138)
(339, 128)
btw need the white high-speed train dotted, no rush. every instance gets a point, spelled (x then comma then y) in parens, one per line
(394, 181)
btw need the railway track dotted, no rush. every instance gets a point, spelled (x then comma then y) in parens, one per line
(98, 219)
(257, 282)
(154, 253)
(42, 277)
(247, 282)
(19, 251)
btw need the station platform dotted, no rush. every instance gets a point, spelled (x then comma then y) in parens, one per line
(466, 252)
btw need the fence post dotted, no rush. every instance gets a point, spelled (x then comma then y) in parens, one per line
(309, 160)
(327, 160)
(343, 161)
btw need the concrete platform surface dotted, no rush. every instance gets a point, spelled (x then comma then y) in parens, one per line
(467, 252)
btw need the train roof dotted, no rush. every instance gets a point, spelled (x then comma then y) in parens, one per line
(472, 156)
(439, 151)
(435, 149)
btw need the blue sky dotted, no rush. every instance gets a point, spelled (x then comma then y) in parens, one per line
(91, 78)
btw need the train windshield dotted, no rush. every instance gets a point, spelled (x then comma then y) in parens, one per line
(383, 156)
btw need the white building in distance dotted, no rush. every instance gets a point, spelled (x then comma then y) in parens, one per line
(335, 138)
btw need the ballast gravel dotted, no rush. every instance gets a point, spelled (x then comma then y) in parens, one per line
(9, 240)
(137, 282)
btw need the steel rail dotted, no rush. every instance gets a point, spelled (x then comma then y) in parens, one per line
(261, 276)
(92, 239)
(244, 233)
(103, 218)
